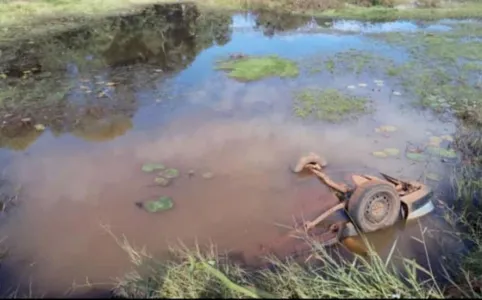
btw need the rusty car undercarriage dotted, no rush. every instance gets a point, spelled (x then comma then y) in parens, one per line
(371, 204)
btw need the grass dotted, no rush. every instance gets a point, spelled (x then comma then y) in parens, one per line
(442, 72)
(256, 68)
(52, 15)
(329, 105)
(31, 18)
(196, 273)
(464, 10)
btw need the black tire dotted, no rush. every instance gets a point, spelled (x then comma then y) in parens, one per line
(361, 210)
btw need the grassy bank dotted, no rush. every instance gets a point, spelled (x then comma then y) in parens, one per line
(34, 17)
(197, 274)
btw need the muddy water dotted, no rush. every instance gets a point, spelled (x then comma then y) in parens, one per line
(175, 109)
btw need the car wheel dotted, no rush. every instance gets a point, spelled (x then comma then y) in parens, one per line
(374, 205)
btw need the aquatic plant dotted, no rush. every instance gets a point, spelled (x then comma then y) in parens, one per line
(328, 104)
(158, 205)
(256, 68)
(151, 167)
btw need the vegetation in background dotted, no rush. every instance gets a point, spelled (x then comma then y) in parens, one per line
(36, 95)
(256, 68)
(22, 18)
(442, 72)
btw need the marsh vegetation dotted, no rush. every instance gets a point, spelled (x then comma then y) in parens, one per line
(219, 92)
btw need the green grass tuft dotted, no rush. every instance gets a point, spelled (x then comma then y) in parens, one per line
(329, 105)
(256, 68)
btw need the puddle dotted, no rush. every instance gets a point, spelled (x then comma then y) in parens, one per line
(143, 89)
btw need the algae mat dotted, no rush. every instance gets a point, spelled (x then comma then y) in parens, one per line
(256, 68)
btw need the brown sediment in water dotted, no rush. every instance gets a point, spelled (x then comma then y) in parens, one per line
(58, 232)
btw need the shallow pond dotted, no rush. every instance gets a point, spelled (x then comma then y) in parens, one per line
(144, 89)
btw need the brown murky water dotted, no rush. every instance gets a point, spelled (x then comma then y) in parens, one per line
(245, 134)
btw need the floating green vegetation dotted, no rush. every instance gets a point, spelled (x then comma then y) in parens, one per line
(433, 149)
(443, 70)
(358, 61)
(162, 181)
(351, 60)
(162, 204)
(433, 176)
(386, 128)
(329, 104)
(416, 156)
(170, 173)
(391, 151)
(256, 68)
(165, 176)
(386, 152)
(445, 153)
(151, 167)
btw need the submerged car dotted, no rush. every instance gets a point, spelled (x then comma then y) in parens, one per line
(372, 204)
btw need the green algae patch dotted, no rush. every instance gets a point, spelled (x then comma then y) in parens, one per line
(170, 173)
(151, 167)
(445, 153)
(162, 181)
(328, 104)
(433, 176)
(391, 151)
(256, 68)
(416, 156)
(386, 128)
(386, 152)
(162, 204)
(379, 154)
